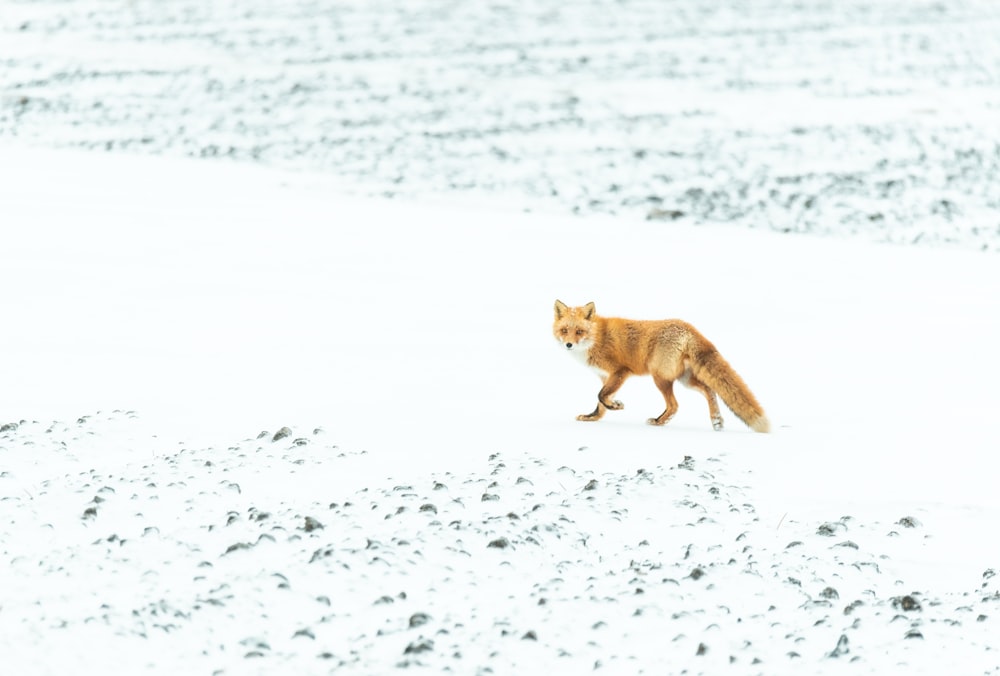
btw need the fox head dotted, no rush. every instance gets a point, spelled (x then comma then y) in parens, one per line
(573, 326)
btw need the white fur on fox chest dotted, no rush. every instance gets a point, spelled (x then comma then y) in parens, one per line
(582, 354)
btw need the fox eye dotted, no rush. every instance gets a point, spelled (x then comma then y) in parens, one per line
(564, 331)
(579, 332)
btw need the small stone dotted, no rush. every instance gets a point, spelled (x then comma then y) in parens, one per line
(529, 636)
(658, 214)
(829, 593)
(419, 619)
(311, 525)
(908, 522)
(591, 485)
(702, 649)
(490, 497)
(697, 573)
(321, 553)
(499, 543)
(829, 529)
(421, 646)
(428, 507)
(281, 434)
(841, 648)
(906, 603)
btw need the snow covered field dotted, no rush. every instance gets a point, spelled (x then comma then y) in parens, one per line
(436, 503)
(878, 119)
(266, 419)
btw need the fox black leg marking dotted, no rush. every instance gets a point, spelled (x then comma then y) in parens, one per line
(611, 385)
(596, 415)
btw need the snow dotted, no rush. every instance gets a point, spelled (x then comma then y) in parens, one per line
(876, 120)
(163, 313)
(433, 503)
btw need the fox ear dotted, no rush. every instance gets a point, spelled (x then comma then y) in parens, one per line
(588, 310)
(561, 309)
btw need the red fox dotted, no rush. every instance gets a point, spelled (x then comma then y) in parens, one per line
(667, 349)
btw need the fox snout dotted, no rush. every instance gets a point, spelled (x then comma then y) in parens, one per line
(573, 341)
(569, 338)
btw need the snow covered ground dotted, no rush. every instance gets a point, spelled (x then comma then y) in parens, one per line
(436, 504)
(878, 119)
(309, 417)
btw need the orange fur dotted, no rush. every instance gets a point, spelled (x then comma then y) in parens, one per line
(667, 349)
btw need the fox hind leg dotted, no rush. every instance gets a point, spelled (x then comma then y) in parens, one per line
(713, 403)
(666, 388)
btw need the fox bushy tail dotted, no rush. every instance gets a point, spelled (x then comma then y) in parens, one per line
(710, 368)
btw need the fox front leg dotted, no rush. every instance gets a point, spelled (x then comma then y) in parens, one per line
(611, 385)
(604, 403)
(596, 415)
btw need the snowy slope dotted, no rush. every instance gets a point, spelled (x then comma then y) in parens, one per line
(436, 504)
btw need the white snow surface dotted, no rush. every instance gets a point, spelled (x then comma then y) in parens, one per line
(296, 408)
(163, 319)
(874, 119)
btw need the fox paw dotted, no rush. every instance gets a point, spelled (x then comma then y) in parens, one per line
(717, 424)
(656, 421)
(588, 417)
(613, 405)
